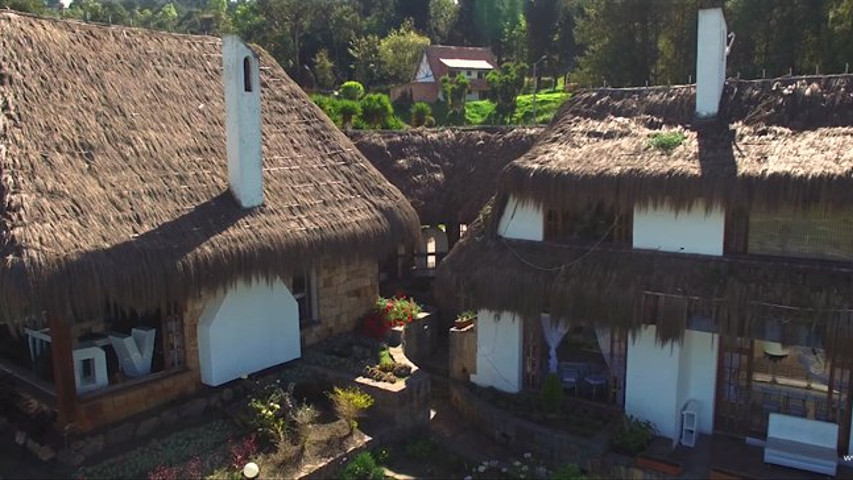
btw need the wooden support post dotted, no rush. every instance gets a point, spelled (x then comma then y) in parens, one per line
(453, 233)
(63, 369)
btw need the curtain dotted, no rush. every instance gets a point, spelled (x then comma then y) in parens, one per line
(554, 331)
(603, 335)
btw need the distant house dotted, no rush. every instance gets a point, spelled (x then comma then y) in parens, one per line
(174, 214)
(440, 60)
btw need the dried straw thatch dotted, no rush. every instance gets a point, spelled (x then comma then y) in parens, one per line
(774, 141)
(609, 286)
(448, 174)
(779, 143)
(114, 179)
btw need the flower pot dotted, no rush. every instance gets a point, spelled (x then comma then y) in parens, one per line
(394, 337)
(461, 323)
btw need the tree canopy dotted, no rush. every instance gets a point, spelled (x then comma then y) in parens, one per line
(594, 42)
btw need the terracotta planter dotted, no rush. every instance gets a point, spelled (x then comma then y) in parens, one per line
(461, 323)
(658, 465)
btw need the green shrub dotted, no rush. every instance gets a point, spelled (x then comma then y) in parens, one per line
(633, 436)
(568, 472)
(362, 467)
(666, 141)
(350, 403)
(552, 393)
(376, 110)
(351, 90)
(421, 111)
(430, 122)
(269, 414)
(329, 106)
(348, 110)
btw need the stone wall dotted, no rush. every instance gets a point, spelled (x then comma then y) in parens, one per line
(419, 337)
(554, 446)
(463, 352)
(404, 404)
(345, 291)
(112, 406)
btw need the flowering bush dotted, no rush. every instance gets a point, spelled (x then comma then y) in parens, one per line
(398, 311)
(389, 312)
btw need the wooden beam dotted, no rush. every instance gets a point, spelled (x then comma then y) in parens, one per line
(63, 369)
(453, 234)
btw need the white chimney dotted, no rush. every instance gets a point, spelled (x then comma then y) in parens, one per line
(242, 81)
(711, 51)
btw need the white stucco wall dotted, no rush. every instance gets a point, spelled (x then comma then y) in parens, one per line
(521, 220)
(651, 382)
(249, 328)
(424, 73)
(499, 349)
(699, 365)
(660, 379)
(686, 231)
(242, 123)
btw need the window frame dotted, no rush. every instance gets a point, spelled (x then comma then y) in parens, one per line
(309, 295)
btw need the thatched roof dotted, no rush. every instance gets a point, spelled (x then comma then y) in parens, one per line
(114, 178)
(608, 286)
(447, 174)
(785, 140)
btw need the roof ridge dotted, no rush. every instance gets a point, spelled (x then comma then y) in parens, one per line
(12, 14)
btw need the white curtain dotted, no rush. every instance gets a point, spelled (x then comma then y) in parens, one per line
(603, 335)
(554, 331)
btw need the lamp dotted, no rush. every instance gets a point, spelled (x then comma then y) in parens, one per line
(251, 470)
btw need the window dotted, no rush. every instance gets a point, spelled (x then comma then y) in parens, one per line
(87, 371)
(305, 292)
(469, 73)
(481, 75)
(595, 223)
(811, 233)
(247, 74)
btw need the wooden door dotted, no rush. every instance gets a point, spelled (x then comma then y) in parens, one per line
(618, 364)
(838, 401)
(734, 388)
(533, 353)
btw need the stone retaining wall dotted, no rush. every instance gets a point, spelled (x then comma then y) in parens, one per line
(404, 404)
(463, 352)
(554, 446)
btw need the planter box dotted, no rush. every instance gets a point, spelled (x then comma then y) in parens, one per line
(418, 337)
(667, 467)
(394, 337)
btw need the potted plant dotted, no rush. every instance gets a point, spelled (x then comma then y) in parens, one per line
(465, 319)
(397, 312)
(633, 436)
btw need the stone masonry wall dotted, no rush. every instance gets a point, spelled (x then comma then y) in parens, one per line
(345, 291)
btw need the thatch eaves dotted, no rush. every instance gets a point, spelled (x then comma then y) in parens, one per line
(774, 141)
(447, 174)
(607, 287)
(113, 174)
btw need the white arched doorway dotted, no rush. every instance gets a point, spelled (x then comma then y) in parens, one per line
(431, 248)
(250, 327)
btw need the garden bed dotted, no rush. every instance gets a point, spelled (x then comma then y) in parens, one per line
(573, 417)
(509, 420)
(360, 356)
(289, 424)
